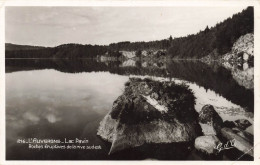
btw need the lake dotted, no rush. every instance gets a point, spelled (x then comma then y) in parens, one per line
(57, 99)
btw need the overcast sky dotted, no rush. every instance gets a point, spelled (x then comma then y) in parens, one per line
(52, 26)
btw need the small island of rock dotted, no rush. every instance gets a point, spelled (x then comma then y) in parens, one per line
(150, 112)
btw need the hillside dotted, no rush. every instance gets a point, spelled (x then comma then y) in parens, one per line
(217, 40)
(14, 47)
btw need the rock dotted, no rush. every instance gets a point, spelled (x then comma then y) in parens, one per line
(128, 54)
(106, 129)
(240, 143)
(229, 124)
(137, 119)
(155, 96)
(247, 136)
(242, 54)
(242, 49)
(208, 129)
(244, 44)
(207, 144)
(210, 119)
(250, 129)
(242, 123)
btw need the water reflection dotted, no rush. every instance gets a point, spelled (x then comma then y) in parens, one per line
(48, 103)
(213, 77)
(44, 100)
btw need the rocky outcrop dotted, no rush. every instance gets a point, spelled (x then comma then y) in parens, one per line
(245, 45)
(207, 144)
(110, 56)
(144, 53)
(150, 112)
(210, 120)
(243, 49)
(240, 59)
(234, 138)
(240, 124)
(128, 54)
(239, 142)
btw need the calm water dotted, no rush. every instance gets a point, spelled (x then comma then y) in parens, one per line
(67, 99)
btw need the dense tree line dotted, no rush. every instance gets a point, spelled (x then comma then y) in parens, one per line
(9, 46)
(62, 51)
(133, 46)
(218, 39)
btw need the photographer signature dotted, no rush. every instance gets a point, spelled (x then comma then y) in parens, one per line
(230, 144)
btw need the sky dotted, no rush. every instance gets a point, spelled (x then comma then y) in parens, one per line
(53, 26)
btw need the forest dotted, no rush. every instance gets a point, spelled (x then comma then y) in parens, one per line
(218, 40)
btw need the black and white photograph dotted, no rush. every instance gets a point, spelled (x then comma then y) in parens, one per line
(129, 83)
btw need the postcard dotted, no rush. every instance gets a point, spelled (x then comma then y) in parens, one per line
(123, 82)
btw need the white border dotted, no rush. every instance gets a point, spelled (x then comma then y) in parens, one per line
(141, 3)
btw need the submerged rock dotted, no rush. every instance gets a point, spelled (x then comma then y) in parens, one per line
(210, 120)
(239, 142)
(207, 144)
(150, 112)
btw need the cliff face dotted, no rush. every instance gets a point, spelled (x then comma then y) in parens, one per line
(150, 112)
(243, 49)
(244, 44)
(240, 59)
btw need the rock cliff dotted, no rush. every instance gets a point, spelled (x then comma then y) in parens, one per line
(240, 60)
(243, 49)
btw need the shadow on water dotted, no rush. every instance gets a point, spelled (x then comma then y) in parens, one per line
(215, 77)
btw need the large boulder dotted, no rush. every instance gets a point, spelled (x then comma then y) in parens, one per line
(210, 120)
(207, 144)
(150, 112)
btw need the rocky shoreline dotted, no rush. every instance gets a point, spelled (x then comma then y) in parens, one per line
(240, 60)
(160, 113)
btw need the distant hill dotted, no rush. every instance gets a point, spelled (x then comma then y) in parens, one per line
(13, 47)
(216, 40)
